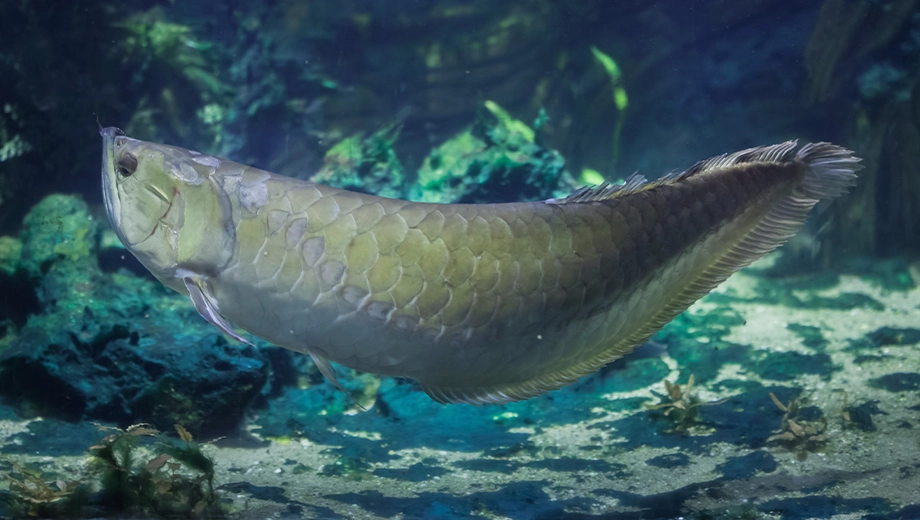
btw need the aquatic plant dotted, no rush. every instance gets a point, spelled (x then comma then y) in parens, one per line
(682, 403)
(12, 144)
(620, 99)
(591, 177)
(178, 479)
(33, 495)
(508, 123)
(124, 477)
(796, 432)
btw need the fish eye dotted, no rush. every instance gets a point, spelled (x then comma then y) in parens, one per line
(126, 165)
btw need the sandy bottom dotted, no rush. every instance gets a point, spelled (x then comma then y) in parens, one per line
(852, 447)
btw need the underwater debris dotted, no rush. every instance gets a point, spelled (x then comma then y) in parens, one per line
(797, 432)
(682, 403)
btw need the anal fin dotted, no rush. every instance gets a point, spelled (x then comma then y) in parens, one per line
(206, 306)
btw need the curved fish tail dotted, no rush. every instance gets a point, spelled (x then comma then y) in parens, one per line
(800, 178)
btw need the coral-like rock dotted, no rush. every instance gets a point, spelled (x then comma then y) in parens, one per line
(116, 347)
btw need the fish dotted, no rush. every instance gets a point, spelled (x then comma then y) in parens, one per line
(479, 303)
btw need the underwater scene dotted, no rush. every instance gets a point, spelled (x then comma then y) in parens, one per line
(448, 259)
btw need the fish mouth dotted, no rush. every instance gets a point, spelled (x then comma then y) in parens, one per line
(109, 187)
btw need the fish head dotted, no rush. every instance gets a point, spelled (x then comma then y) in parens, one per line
(163, 204)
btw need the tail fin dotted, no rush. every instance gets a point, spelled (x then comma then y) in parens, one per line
(832, 169)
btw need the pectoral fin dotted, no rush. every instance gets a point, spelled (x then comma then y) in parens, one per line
(328, 372)
(206, 305)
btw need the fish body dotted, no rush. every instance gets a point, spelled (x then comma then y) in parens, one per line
(480, 303)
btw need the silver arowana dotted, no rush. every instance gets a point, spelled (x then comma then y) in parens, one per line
(481, 303)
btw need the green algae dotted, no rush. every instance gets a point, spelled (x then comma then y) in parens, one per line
(59, 229)
(365, 164)
(506, 123)
(59, 253)
(10, 255)
(620, 99)
(494, 159)
(446, 165)
(498, 158)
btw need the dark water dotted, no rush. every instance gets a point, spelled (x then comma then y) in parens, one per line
(805, 400)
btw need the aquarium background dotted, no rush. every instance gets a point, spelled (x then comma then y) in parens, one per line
(790, 392)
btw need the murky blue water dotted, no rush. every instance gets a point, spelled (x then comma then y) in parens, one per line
(791, 391)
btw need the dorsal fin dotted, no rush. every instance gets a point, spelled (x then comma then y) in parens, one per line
(635, 183)
(632, 184)
(776, 153)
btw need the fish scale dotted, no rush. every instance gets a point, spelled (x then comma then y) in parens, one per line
(479, 303)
